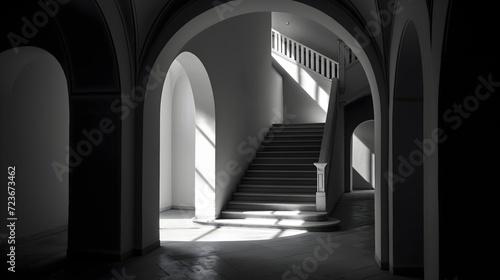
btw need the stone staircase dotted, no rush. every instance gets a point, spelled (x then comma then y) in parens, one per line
(279, 186)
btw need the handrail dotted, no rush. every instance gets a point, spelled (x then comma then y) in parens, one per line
(330, 123)
(349, 56)
(303, 55)
(327, 143)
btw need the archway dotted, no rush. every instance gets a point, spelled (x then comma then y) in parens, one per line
(169, 47)
(363, 157)
(406, 159)
(34, 110)
(187, 163)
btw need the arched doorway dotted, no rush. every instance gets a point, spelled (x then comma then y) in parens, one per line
(187, 163)
(363, 157)
(168, 49)
(34, 110)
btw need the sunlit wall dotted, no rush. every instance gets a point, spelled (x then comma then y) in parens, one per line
(305, 93)
(363, 157)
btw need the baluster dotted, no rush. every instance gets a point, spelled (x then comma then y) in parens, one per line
(296, 51)
(312, 60)
(285, 39)
(289, 48)
(302, 55)
(286, 45)
(280, 44)
(323, 70)
(318, 66)
(299, 53)
(328, 69)
(272, 40)
(275, 39)
(307, 57)
(313, 63)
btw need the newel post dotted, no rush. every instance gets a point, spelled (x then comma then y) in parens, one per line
(320, 192)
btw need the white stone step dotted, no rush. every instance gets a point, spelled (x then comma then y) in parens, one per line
(280, 215)
(284, 166)
(282, 197)
(290, 142)
(276, 188)
(279, 181)
(282, 173)
(271, 205)
(300, 125)
(285, 160)
(288, 154)
(290, 148)
(329, 225)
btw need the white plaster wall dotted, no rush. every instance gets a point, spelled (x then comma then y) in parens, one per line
(305, 92)
(236, 54)
(178, 140)
(363, 157)
(183, 145)
(165, 195)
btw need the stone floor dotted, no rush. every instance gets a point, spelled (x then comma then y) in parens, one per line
(191, 251)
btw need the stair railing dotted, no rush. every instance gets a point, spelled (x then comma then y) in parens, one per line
(304, 56)
(349, 56)
(327, 143)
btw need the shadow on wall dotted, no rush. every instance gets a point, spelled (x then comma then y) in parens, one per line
(34, 111)
(305, 93)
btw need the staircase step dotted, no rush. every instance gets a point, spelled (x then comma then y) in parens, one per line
(289, 133)
(330, 224)
(281, 197)
(289, 142)
(299, 125)
(279, 181)
(276, 188)
(297, 129)
(282, 173)
(288, 167)
(287, 154)
(276, 148)
(280, 215)
(279, 186)
(285, 160)
(271, 205)
(303, 136)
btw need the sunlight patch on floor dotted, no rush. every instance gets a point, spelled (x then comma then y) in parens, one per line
(177, 225)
